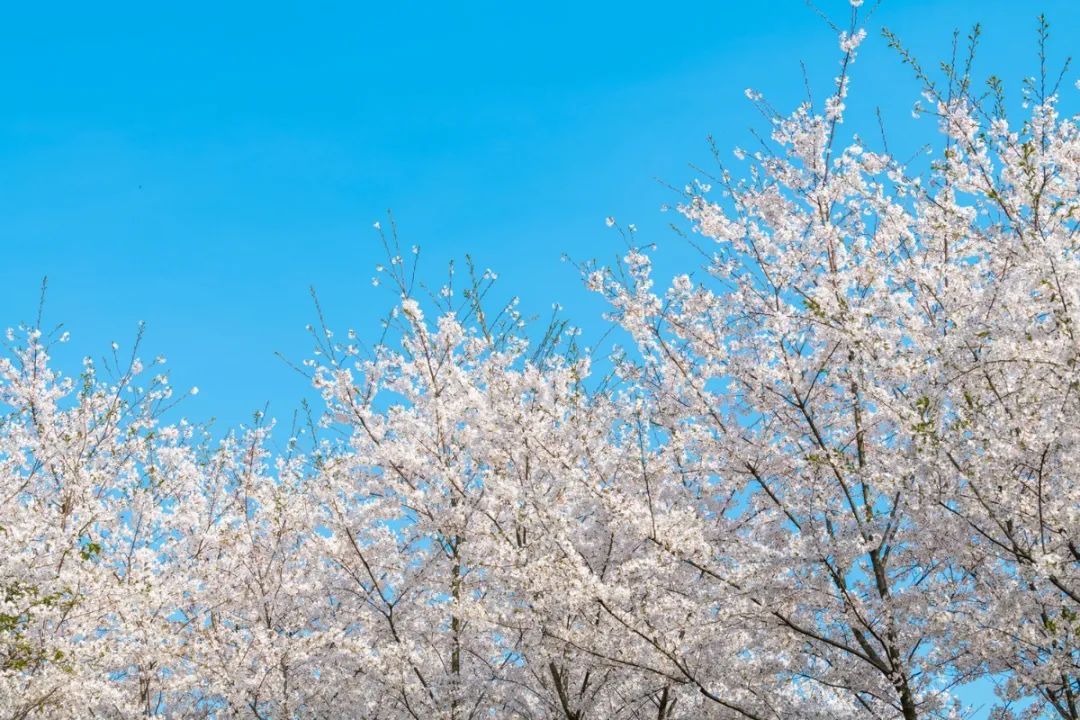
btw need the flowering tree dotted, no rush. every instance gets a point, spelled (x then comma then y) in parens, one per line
(452, 510)
(91, 502)
(880, 368)
(832, 476)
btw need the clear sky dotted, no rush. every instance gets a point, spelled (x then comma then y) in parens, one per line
(198, 165)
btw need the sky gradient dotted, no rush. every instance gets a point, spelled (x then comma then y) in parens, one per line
(200, 165)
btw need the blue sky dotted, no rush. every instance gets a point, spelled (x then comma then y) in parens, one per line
(199, 165)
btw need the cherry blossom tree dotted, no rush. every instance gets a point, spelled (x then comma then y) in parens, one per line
(831, 475)
(92, 505)
(878, 370)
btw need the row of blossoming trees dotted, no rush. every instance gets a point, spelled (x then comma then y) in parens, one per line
(834, 475)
